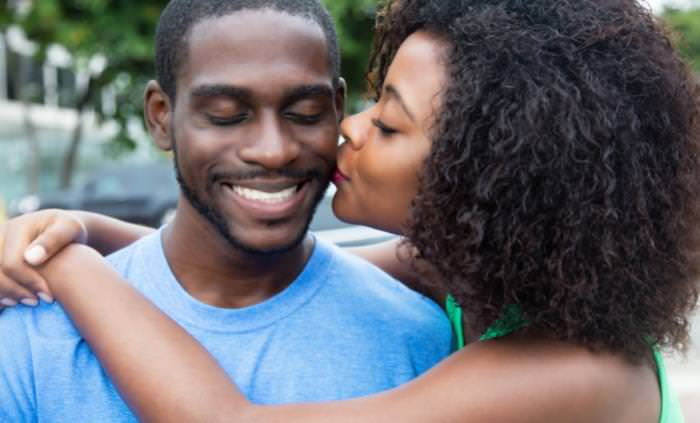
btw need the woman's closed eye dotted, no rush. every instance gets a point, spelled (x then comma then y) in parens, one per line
(385, 130)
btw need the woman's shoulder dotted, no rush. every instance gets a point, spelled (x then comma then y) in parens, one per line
(528, 378)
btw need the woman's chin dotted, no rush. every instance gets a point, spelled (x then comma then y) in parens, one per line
(347, 215)
(351, 212)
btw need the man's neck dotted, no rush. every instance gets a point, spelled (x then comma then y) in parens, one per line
(216, 273)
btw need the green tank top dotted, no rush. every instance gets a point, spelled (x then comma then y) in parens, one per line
(513, 320)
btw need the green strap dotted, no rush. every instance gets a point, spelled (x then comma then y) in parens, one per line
(670, 406)
(511, 321)
(454, 314)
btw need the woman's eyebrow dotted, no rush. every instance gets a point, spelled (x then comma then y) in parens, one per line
(391, 91)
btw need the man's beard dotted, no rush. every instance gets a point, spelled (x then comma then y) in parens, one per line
(216, 218)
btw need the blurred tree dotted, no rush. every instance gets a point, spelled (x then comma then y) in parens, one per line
(686, 23)
(355, 23)
(119, 34)
(5, 11)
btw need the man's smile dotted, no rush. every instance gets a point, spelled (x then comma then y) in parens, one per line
(267, 200)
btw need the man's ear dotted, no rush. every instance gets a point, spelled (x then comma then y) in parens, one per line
(158, 112)
(340, 96)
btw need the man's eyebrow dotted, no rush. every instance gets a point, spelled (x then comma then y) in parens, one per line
(219, 90)
(393, 92)
(305, 91)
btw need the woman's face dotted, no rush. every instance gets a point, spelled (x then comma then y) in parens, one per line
(379, 164)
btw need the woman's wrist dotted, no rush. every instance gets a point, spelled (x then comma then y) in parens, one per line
(88, 223)
(72, 263)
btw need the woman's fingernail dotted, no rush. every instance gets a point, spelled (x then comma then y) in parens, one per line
(35, 255)
(8, 302)
(30, 302)
(45, 297)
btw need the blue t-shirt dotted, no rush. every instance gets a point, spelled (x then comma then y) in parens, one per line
(341, 329)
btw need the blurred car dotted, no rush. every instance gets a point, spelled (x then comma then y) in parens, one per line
(144, 194)
(148, 194)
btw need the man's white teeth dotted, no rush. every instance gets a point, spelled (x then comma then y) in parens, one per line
(265, 197)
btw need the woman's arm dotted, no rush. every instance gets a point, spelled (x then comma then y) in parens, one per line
(166, 376)
(392, 256)
(106, 234)
(36, 237)
(140, 347)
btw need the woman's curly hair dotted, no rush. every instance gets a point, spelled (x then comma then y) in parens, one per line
(564, 172)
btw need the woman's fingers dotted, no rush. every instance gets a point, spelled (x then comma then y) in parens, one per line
(28, 241)
(63, 230)
(12, 293)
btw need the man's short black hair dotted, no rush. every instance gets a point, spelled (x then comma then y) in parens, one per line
(180, 16)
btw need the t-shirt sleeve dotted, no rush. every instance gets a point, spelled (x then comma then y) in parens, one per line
(16, 389)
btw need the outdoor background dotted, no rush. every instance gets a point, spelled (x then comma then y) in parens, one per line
(72, 74)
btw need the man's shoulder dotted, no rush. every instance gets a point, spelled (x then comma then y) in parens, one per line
(46, 321)
(134, 255)
(17, 392)
(365, 285)
(41, 354)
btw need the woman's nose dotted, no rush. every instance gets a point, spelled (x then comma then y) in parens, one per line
(354, 129)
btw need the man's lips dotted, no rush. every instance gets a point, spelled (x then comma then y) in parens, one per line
(339, 177)
(267, 202)
(265, 185)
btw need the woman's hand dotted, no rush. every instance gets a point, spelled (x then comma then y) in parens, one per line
(31, 240)
(28, 241)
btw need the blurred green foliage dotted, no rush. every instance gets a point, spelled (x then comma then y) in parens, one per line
(121, 31)
(686, 23)
(355, 23)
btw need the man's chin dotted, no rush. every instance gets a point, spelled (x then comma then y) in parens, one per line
(275, 238)
(267, 245)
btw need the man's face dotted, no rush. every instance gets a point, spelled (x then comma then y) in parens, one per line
(255, 126)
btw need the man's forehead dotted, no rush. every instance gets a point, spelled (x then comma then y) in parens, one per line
(257, 26)
(250, 47)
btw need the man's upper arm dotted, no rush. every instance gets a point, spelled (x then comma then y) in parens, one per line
(16, 382)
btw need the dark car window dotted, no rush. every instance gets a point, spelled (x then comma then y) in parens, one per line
(109, 186)
(124, 182)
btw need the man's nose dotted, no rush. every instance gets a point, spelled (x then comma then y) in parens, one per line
(273, 147)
